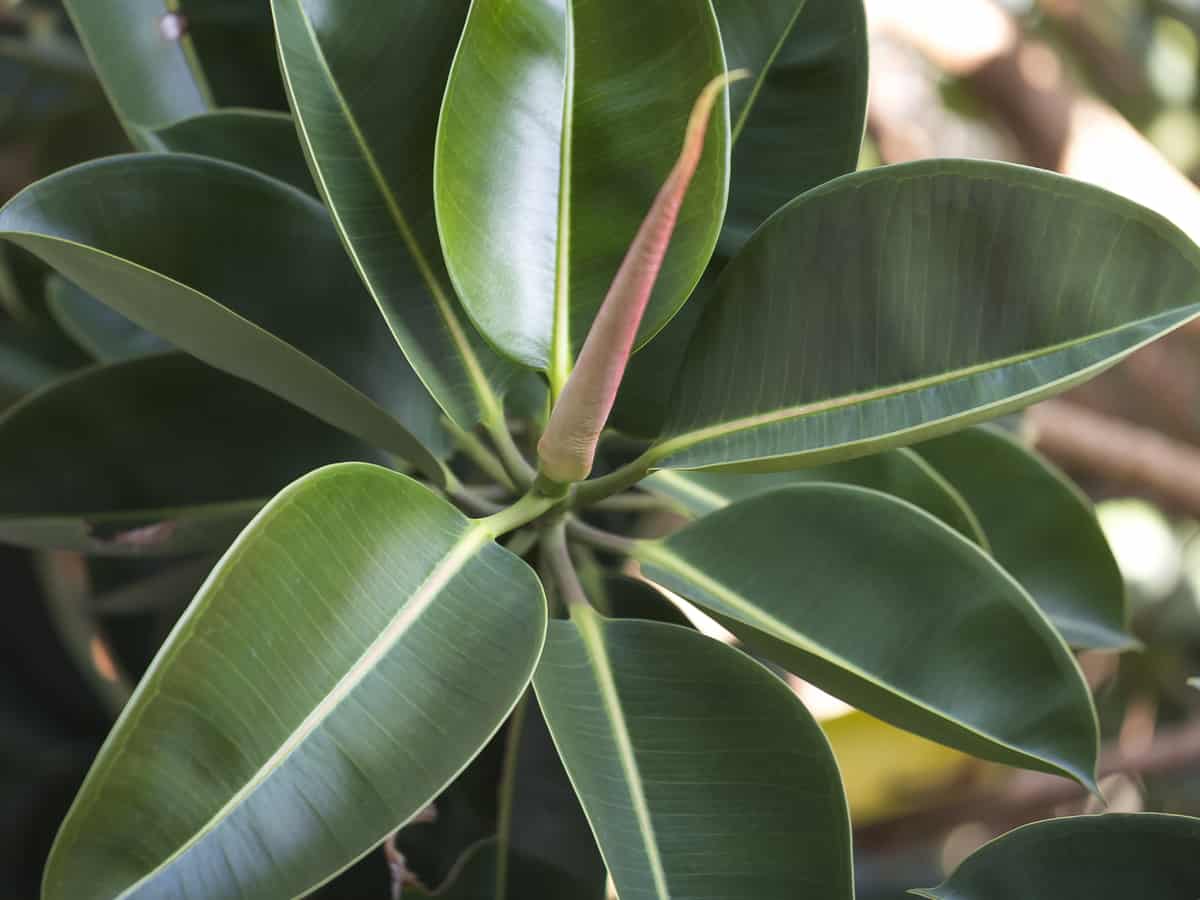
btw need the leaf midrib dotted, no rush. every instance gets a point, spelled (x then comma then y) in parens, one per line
(470, 542)
(489, 404)
(588, 623)
(768, 64)
(688, 439)
(560, 336)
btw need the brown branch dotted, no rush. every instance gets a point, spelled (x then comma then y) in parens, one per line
(1127, 455)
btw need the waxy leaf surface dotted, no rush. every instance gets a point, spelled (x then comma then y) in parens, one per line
(884, 606)
(240, 270)
(1042, 529)
(313, 697)
(904, 302)
(701, 772)
(159, 455)
(900, 473)
(561, 121)
(365, 79)
(1108, 857)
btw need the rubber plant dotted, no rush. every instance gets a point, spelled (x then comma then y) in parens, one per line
(427, 284)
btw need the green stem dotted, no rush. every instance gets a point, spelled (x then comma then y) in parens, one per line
(508, 784)
(596, 537)
(588, 492)
(479, 454)
(558, 558)
(633, 502)
(510, 454)
(520, 513)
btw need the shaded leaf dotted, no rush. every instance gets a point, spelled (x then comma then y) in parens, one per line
(101, 331)
(900, 473)
(883, 606)
(238, 269)
(1042, 530)
(339, 703)
(800, 122)
(906, 301)
(255, 138)
(702, 774)
(159, 455)
(365, 81)
(633, 598)
(561, 120)
(1108, 857)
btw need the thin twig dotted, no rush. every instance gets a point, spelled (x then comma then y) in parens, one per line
(597, 537)
(514, 460)
(562, 567)
(477, 451)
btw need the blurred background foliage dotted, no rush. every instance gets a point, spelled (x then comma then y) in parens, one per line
(1102, 89)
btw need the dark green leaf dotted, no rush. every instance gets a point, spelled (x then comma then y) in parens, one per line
(702, 774)
(1042, 530)
(102, 332)
(633, 598)
(561, 120)
(255, 138)
(1109, 857)
(322, 688)
(882, 605)
(903, 302)
(800, 122)
(241, 270)
(160, 455)
(900, 473)
(150, 77)
(365, 79)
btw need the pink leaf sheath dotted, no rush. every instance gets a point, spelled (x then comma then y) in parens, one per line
(568, 446)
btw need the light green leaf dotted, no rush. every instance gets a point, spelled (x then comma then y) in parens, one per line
(561, 121)
(701, 773)
(157, 456)
(880, 604)
(900, 473)
(99, 330)
(1108, 857)
(800, 122)
(150, 77)
(321, 689)
(365, 81)
(240, 270)
(1042, 530)
(258, 139)
(904, 302)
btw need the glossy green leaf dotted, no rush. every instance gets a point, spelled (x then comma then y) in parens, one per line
(101, 331)
(561, 121)
(150, 77)
(240, 270)
(797, 125)
(1108, 857)
(900, 473)
(258, 139)
(365, 81)
(1042, 530)
(701, 773)
(320, 690)
(880, 604)
(160, 455)
(903, 302)
(800, 122)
